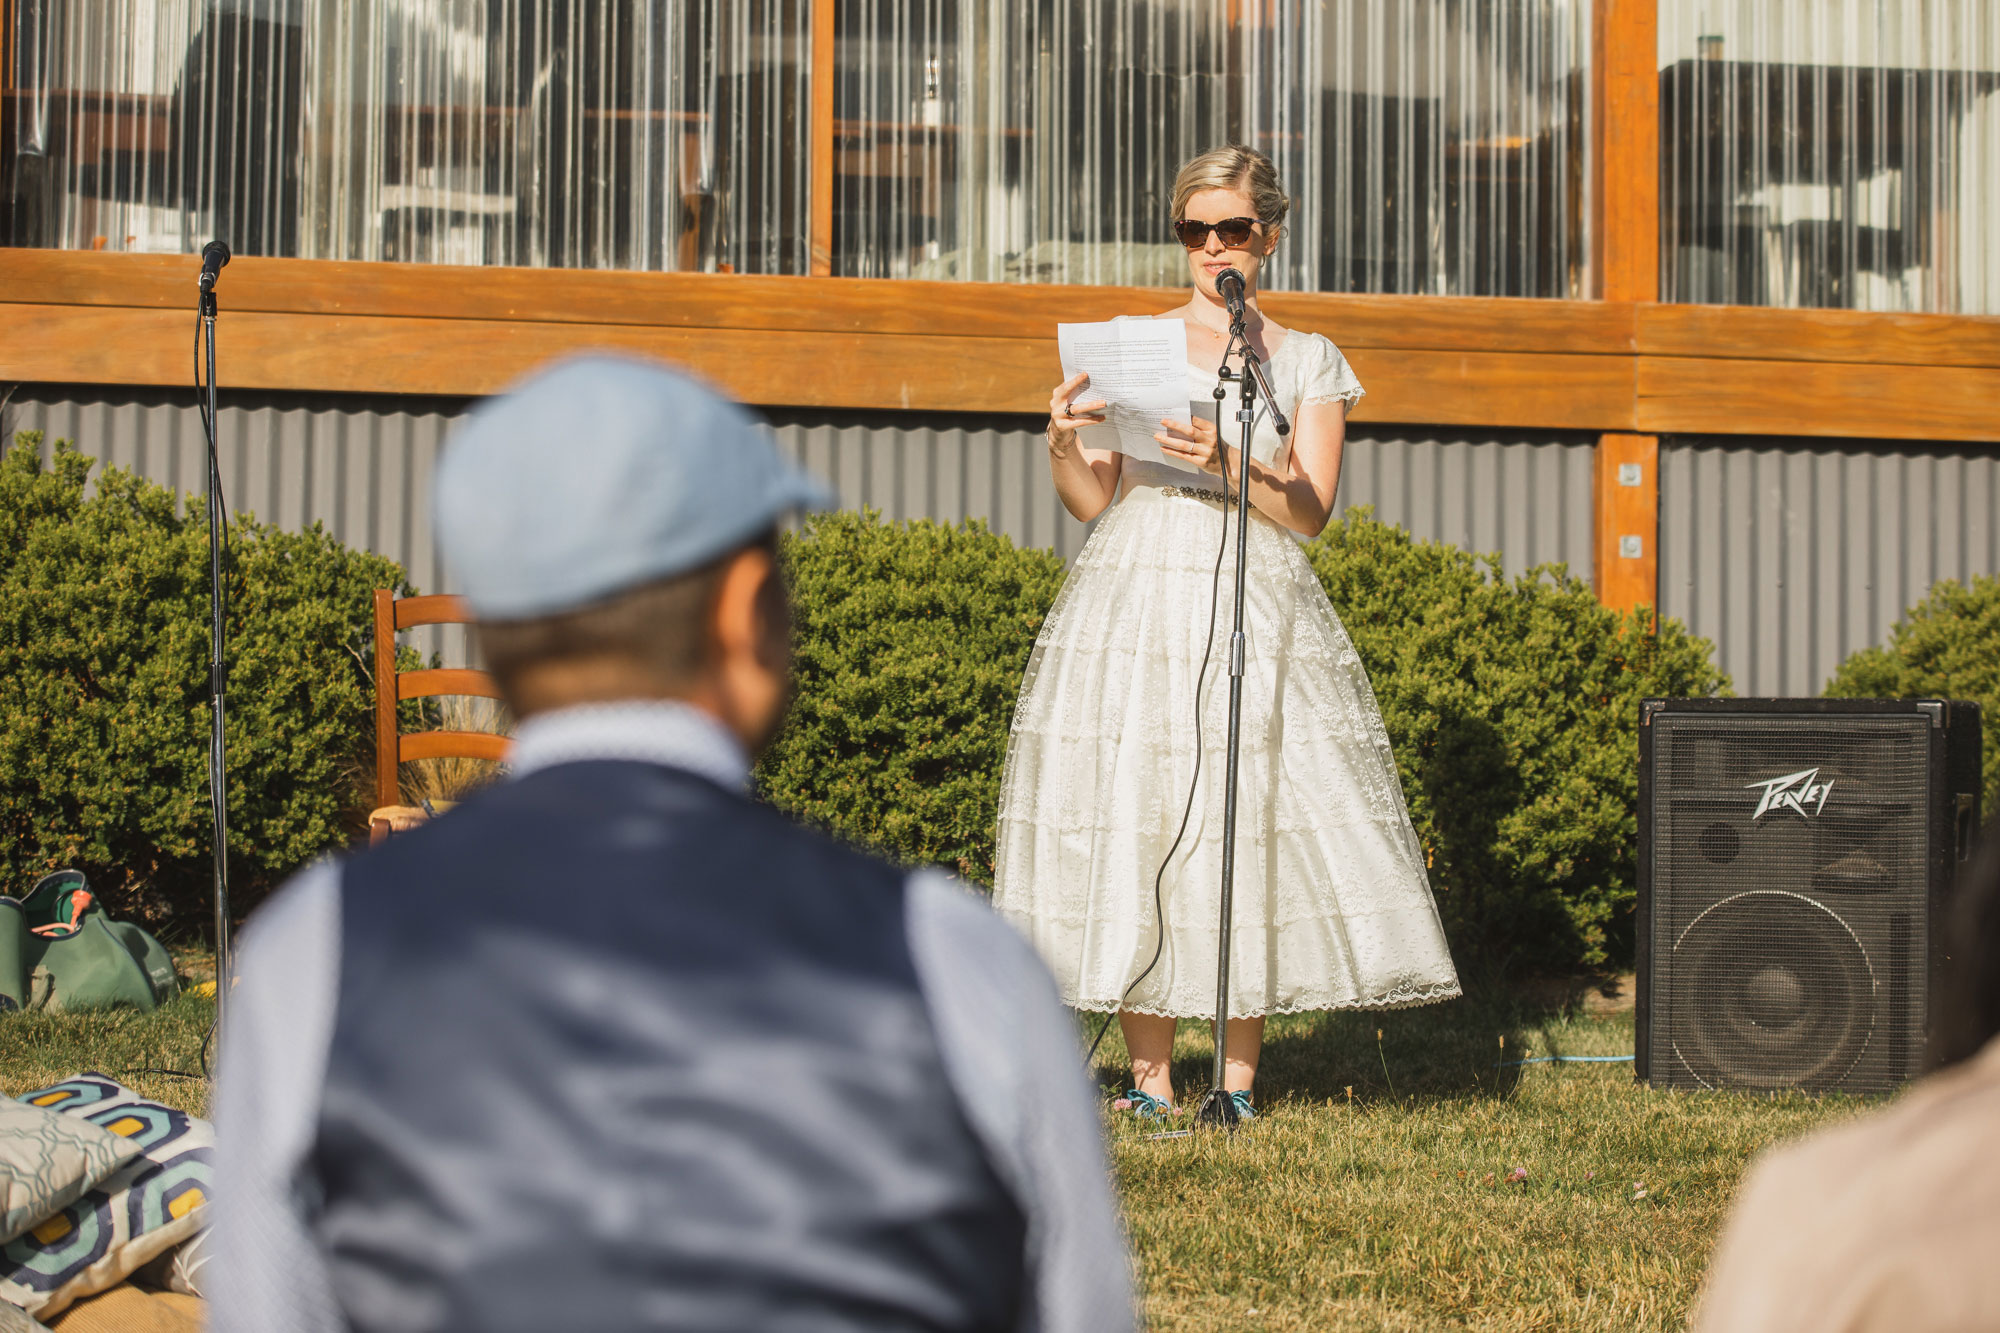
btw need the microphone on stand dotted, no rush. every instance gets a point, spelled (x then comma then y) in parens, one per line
(1229, 286)
(215, 254)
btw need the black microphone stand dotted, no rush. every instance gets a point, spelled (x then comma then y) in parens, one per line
(1218, 1108)
(218, 780)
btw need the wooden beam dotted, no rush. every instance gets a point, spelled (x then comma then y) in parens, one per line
(302, 326)
(823, 36)
(1793, 397)
(1626, 165)
(1627, 521)
(832, 369)
(1852, 337)
(752, 302)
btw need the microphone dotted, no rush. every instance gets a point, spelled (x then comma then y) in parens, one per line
(213, 256)
(1229, 286)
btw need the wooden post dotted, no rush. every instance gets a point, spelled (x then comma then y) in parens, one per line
(388, 784)
(1626, 255)
(821, 239)
(1627, 494)
(1626, 43)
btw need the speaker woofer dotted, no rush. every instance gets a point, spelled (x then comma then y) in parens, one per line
(1774, 991)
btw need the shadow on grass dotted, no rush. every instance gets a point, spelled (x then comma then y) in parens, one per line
(1453, 1051)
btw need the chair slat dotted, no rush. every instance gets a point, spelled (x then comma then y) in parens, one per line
(445, 680)
(436, 609)
(452, 745)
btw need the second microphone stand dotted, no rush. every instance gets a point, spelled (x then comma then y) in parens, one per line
(218, 537)
(1218, 1108)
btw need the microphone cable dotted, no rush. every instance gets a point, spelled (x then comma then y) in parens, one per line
(1194, 781)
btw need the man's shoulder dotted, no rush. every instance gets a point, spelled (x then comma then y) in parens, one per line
(587, 800)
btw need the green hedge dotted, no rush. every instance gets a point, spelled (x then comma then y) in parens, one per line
(104, 700)
(910, 641)
(1945, 647)
(1512, 703)
(1513, 706)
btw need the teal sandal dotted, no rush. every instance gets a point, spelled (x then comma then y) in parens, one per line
(1145, 1106)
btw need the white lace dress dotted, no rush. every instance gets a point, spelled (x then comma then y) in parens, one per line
(1332, 907)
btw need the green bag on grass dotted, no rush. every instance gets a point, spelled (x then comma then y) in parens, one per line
(59, 951)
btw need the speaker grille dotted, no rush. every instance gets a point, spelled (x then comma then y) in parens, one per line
(1789, 881)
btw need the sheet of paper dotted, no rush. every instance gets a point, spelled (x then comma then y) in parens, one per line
(1138, 367)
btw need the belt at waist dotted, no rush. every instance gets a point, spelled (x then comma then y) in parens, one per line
(1194, 493)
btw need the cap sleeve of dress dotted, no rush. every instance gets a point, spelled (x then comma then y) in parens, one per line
(1329, 379)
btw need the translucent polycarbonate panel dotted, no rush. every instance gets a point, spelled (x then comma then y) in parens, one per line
(640, 134)
(1428, 145)
(1021, 140)
(1841, 153)
(1433, 146)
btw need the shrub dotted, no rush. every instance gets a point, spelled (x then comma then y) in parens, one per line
(1945, 647)
(911, 639)
(104, 697)
(1513, 707)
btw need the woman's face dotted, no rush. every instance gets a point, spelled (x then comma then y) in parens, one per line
(1207, 263)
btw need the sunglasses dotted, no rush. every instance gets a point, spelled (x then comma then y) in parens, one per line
(1235, 232)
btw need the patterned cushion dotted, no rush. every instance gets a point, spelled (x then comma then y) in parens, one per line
(147, 1206)
(48, 1160)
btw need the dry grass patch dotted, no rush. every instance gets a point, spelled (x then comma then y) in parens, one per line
(1448, 1193)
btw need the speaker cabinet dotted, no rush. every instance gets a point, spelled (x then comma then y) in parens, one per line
(1796, 857)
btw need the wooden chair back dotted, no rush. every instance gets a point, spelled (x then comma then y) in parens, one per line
(392, 746)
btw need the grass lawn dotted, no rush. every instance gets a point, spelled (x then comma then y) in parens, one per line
(1400, 1208)
(1397, 1210)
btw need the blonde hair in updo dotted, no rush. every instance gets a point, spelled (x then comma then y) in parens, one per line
(1233, 167)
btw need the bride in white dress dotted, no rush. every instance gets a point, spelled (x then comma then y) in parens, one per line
(1332, 909)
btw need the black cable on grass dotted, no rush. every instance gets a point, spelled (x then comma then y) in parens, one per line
(205, 1073)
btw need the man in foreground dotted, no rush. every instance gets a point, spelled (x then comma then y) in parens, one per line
(612, 1046)
(1888, 1223)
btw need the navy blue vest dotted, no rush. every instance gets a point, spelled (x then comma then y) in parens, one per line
(618, 1049)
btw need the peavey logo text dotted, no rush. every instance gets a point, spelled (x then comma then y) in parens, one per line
(1800, 793)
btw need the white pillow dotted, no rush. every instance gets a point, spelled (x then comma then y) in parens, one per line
(48, 1161)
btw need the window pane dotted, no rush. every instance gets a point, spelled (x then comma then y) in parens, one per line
(1429, 145)
(1839, 153)
(644, 134)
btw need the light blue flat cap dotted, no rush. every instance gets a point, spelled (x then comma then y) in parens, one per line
(598, 474)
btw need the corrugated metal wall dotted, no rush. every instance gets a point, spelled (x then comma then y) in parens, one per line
(1791, 554)
(1523, 495)
(1528, 499)
(363, 468)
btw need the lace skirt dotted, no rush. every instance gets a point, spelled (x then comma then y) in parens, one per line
(1332, 908)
